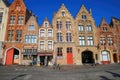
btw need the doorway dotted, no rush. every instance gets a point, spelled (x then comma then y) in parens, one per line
(12, 56)
(44, 60)
(115, 58)
(87, 57)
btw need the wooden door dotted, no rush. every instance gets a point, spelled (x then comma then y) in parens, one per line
(69, 58)
(9, 57)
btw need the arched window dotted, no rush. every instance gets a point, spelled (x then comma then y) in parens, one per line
(42, 33)
(50, 33)
(105, 56)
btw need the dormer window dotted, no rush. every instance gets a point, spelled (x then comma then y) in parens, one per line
(84, 17)
(104, 29)
(63, 13)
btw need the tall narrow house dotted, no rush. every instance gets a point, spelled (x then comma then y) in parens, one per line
(115, 26)
(107, 44)
(3, 23)
(45, 43)
(64, 43)
(30, 43)
(14, 33)
(86, 39)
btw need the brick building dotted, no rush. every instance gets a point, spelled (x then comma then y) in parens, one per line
(67, 41)
(115, 24)
(45, 43)
(86, 39)
(64, 43)
(107, 44)
(3, 22)
(30, 42)
(14, 33)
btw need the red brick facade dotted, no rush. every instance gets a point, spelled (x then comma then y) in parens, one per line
(14, 32)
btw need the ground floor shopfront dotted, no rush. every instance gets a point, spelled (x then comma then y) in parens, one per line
(73, 56)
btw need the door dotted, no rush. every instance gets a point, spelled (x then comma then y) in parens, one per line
(69, 58)
(115, 58)
(69, 55)
(9, 57)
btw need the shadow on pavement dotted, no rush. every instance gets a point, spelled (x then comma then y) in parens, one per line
(104, 78)
(113, 74)
(15, 78)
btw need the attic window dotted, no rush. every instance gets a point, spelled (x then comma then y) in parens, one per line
(46, 24)
(84, 17)
(104, 29)
(31, 27)
(63, 13)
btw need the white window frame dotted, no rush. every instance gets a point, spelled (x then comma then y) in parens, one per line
(80, 27)
(42, 45)
(90, 41)
(88, 28)
(42, 33)
(82, 40)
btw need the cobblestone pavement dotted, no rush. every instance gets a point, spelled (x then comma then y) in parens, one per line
(84, 72)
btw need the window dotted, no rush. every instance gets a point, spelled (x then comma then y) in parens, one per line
(88, 28)
(30, 39)
(59, 25)
(102, 40)
(68, 37)
(33, 39)
(20, 20)
(59, 52)
(81, 40)
(46, 24)
(80, 27)
(110, 41)
(12, 20)
(104, 28)
(10, 35)
(1, 15)
(68, 24)
(42, 45)
(59, 37)
(31, 27)
(63, 13)
(84, 17)
(69, 50)
(27, 39)
(105, 56)
(19, 36)
(90, 40)
(50, 45)
(42, 33)
(50, 33)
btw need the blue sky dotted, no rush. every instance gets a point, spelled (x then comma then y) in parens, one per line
(100, 8)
